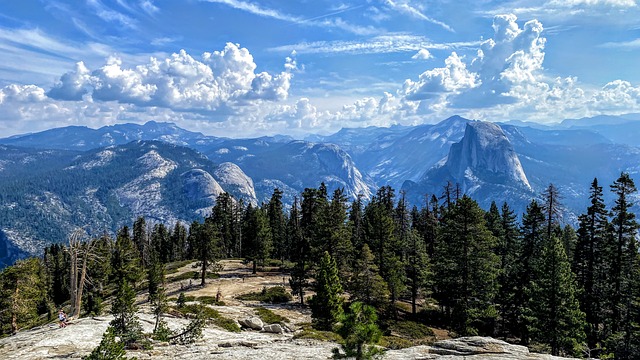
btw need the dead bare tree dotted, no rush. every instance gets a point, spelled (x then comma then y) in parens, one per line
(79, 250)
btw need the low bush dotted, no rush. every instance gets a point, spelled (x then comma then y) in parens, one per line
(269, 317)
(410, 329)
(395, 343)
(309, 333)
(272, 295)
(210, 315)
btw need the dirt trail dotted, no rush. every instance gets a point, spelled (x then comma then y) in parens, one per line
(236, 279)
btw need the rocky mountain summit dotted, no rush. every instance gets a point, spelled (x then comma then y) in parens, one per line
(483, 164)
(485, 152)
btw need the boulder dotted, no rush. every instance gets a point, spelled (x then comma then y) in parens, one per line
(477, 345)
(253, 323)
(468, 348)
(273, 328)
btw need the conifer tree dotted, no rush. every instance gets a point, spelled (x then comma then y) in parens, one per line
(141, 239)
(590, 263)
(557, 318)
(426, 222)
(179, 241)
(22, 289)
(380, 226)
(494, 224)
(159, 306)
(278, 225)
(529, 255)
(367, 286)
(417, 268)
(300, 253)
(359, 331)
(161, 244)
(355, 223)
(58, 275)
(313, 219)
(109, 349)
(508, 277)
(622, 257)
(155, 276)
(466, 268)
(125, 322)
(221, 218)
(257, 235)
(326, 305)
(206, 248)
(339, 243)
(552, 207)
(125, 261)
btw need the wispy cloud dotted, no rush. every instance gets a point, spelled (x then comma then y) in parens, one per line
(149, 7)
(318, 21)
(407, 9)
(110, 15)
(625, 45)
(165, 40)
(376, 45)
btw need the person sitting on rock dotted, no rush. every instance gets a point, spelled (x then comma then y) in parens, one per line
(63, 318)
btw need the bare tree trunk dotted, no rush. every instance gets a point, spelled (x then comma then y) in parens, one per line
(83, 276)
(74, 250)
(73, 276)
(14, 308)
(204, 271)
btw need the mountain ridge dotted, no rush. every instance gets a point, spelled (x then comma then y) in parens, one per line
(418, 160)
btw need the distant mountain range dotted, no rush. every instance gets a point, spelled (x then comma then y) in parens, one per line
(53, 181)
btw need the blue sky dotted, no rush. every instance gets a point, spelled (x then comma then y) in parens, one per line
(253, 67)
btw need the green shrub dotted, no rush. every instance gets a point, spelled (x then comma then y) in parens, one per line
(182, 299)
(309, 333)
(395, 343)
(209, 300)
(109, 348)
(410, 329)
(194, 309)
(273, 295)
(226, 324)
(163, 332)
(212, 315)
(269, 317)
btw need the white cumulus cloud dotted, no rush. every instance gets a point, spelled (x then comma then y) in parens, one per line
(451, 78)
(180, 82)
(422, 54)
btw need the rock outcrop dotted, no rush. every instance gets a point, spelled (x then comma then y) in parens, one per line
(82, 335)
(253, 323)
(468, 348)
(485, 152)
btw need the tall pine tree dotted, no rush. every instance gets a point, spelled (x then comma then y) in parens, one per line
(466, 268)
(557, 318)
(326, 304)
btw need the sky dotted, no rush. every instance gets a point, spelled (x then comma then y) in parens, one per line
(243, 68)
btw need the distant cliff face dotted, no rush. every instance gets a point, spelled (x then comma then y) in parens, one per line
(483, 164)
(485, 154)
(302, 164)
(237, 183)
